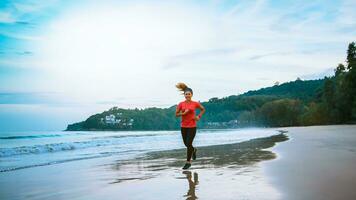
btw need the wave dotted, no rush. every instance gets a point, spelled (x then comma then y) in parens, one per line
(49, 148)
(29, 136)
(104, 154)
(47, 163)
(79, 133)
(65, 146)
(134, 135)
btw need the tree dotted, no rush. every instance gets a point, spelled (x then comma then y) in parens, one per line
(351, 56)
(339, 69)
(315, 114)
(350, 78)
(281, 112)
(329, 93)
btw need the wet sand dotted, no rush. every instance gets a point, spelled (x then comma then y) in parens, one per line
(317, 162)
(229, 171)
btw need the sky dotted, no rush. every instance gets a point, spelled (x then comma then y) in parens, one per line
(62, 61)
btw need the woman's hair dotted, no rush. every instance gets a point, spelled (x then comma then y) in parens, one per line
(183, 87)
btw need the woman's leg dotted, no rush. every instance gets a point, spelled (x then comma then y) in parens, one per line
(190, 134)
(184, 131)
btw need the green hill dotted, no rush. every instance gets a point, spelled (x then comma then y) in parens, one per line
(306, 90)
(221, 111)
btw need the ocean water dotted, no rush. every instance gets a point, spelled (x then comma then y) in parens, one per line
(28, 149)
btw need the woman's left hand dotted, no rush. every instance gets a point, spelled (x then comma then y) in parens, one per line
(197, 118)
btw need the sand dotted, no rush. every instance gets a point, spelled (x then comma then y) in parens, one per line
(317, 162)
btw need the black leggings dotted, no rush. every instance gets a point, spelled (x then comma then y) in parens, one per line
(188, 135)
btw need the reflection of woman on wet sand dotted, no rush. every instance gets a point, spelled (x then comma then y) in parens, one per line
(186, 109)
(191, 192)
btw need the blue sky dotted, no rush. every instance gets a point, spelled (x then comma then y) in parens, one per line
(61, 61)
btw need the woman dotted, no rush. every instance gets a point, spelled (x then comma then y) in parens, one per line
(186, 109)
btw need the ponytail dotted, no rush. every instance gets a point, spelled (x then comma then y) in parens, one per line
(183, 87)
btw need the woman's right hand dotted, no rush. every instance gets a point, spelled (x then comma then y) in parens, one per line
(185, 112)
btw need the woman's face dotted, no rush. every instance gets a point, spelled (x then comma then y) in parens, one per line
(188, 95)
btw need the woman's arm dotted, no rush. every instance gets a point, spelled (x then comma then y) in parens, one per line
(180, 113)
(202, 111)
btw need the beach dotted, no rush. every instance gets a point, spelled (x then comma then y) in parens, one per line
(315, 162)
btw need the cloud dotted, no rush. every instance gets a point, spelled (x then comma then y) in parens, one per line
(15, 10)
(256, 57)
(347, 15)
(27, 117)
(6, 17)
(174, 61)
(27, 98)
(20, 53)
(328, 72)
(24, 53)
(23, 23)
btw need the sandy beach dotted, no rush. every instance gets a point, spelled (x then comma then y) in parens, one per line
(315, 162)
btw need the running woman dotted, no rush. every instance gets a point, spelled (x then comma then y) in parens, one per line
(186, 109)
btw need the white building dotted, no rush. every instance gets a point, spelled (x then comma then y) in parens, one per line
(111, 119)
